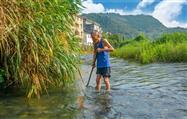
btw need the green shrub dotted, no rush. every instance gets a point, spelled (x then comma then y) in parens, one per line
(169, 48)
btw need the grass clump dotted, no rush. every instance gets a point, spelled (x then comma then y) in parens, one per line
(168, 48)
(37, 45)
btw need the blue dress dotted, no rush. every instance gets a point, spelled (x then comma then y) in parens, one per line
(103, 62)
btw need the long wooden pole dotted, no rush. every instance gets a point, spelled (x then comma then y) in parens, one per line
(89, 77)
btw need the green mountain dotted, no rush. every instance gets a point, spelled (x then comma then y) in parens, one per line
(131, 25)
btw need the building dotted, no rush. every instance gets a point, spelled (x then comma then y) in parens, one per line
(83, 27)
(78, 27)
(88, 27)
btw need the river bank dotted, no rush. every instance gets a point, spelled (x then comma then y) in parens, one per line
(168, 48)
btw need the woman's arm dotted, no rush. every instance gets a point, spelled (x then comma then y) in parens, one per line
(107, 47)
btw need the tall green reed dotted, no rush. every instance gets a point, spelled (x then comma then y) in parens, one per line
(37, 45)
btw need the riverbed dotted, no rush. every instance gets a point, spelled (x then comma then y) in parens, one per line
(153, 91)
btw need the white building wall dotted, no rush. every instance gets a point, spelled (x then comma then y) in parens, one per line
(88, 39)
(89, 26)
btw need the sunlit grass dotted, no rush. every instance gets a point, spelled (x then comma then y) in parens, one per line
(37, 45)
(168, 48)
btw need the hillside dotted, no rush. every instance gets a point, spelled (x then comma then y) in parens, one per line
(131, 25)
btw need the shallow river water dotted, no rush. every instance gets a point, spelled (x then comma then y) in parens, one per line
(153, 91)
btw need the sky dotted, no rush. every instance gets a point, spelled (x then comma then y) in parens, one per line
(171, 13)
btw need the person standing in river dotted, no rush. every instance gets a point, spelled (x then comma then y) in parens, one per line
(101, 54)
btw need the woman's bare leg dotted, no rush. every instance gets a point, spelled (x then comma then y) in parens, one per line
(107, 83)
(98, 82)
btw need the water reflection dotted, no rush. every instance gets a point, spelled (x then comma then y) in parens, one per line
(104, 102)
(80, 101)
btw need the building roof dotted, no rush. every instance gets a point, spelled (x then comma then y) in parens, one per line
(90, 21)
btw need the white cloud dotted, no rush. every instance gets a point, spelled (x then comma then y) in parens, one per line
(167, 12)
(144, 3)
(123, 12)
(91, 7)
(119, 11)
